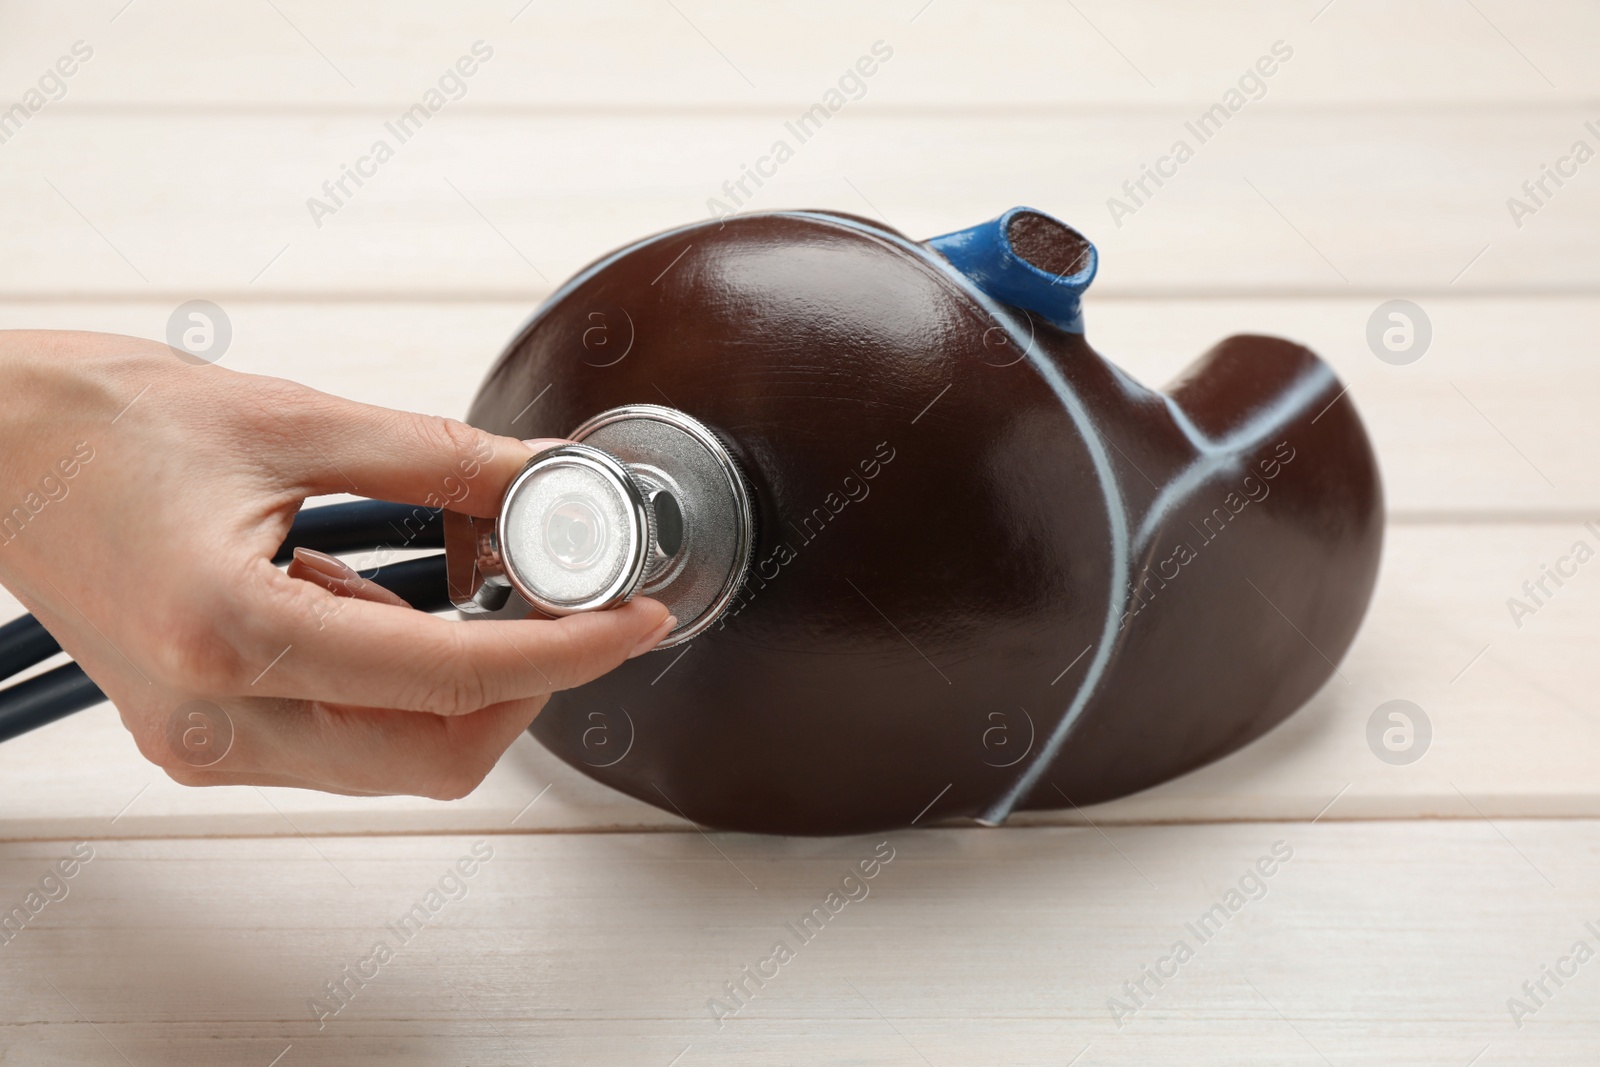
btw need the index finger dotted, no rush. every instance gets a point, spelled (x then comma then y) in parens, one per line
(327, 444)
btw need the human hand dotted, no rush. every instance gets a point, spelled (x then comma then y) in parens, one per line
(142, 499)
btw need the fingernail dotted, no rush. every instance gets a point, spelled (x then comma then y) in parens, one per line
(339, 578)
(325, 564)
(655, 637)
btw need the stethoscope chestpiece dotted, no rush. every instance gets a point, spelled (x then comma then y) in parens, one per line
(647, 500)
(575, 531)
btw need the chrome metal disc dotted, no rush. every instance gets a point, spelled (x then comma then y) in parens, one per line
(575, 531)
(703, 521)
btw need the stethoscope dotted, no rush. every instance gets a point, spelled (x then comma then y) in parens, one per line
(645, 499)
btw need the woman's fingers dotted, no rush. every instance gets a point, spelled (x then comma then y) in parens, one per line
(341, 446)
(339, 578)
(362, 751)
(348, 651)
(322, 673)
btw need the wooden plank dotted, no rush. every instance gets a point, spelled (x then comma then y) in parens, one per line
(1377, 165)
(947, 54)
(1512, 724)
(1394, 943)
(1498, 405)
(1276, 203)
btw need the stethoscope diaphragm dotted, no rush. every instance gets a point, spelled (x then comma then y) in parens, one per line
(646, 500)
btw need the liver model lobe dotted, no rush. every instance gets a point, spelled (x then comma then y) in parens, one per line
(990, 568)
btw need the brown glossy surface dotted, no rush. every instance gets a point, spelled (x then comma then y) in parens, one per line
(937, 552)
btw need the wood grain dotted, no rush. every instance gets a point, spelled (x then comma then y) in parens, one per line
(1373, 943)
(187, 54)
(1274, 204)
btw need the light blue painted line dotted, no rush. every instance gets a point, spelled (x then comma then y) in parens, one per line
(1224, 454)
(1116, 513)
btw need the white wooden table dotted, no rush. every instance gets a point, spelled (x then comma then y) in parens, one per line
(1376, 164)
